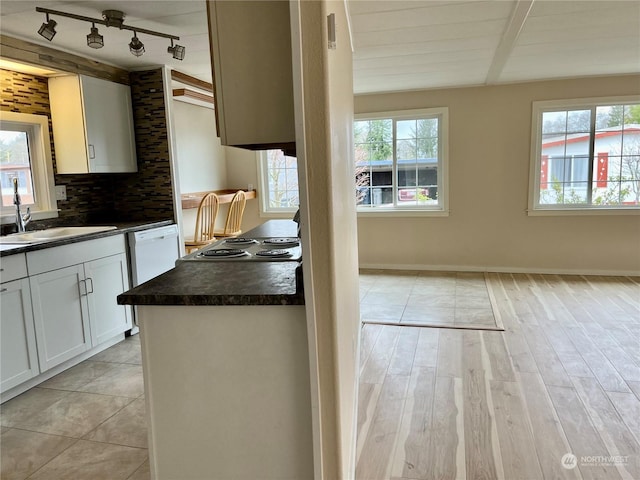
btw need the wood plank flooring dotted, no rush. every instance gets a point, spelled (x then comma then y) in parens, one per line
(563, 377)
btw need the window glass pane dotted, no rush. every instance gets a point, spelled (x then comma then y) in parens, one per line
(606, 193)
(282, 173)
(631, 116)
(406, 149)
(405, 129)
(579, 121)
(554, 122)
(15, 163)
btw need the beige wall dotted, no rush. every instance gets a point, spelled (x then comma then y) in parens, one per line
(201, 158)
(242, 171)
(326, 172)
(488, 228)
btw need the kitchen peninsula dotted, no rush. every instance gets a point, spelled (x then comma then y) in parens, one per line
(226, 368)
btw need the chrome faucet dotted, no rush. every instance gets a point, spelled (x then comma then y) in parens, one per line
(21, 220)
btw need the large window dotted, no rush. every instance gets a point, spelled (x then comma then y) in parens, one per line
(586, 155)
(25, 155)
(279, 175)
(401, 161)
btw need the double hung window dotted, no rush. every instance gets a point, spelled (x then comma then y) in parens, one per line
(25, 155)
(585, 155)
(401, 161)
(279, 174)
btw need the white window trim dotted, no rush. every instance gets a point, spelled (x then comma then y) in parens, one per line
(441, 210)
(265, 210)
(534, 208)
(41, 165)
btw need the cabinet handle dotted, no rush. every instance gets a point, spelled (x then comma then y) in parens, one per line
(92, 152)
(90, 280)
(83, 288)
(3, 290)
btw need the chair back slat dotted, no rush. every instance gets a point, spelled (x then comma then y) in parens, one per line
(206, 218)
(233, 225)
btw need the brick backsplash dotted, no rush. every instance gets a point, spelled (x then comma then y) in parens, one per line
(98, 198)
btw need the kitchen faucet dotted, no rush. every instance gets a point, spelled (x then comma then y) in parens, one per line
(21, 220)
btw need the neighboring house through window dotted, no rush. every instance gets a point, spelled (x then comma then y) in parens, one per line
(585, 155)
(25, 154)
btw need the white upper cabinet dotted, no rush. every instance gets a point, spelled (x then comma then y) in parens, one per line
(252, 72)
(92, 125)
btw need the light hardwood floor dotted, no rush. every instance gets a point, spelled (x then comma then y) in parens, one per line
(564, 377)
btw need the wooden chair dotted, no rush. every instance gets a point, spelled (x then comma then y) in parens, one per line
(205, 223)
(233, 224)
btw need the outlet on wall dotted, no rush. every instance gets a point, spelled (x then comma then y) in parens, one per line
(61, 192)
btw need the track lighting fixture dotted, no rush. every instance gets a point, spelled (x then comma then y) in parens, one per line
(136, 46)
(110, 18)
(48, 29)
(94, 39)
(177, 51)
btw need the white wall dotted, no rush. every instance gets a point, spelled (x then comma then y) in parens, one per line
(242, 170)
(201, 159)
(488, 227)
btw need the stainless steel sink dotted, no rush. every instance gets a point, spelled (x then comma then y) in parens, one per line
(50, 234)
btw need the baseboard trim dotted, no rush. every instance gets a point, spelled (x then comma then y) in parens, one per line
(52, 372)
(492, 269)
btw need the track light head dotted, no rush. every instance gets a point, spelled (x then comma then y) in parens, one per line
(48, 29)
(178, 51)
(94, 39)
(136, 47)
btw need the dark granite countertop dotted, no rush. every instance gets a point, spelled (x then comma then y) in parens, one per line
(225, 283)
(121, 227)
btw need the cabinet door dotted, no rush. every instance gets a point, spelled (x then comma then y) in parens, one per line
(107, 278)
(61, 315)
(109, 126)
(18, 356)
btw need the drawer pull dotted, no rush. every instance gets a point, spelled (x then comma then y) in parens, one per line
(3, 290)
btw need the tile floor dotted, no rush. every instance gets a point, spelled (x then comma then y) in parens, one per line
(85, 423)
(436, 299)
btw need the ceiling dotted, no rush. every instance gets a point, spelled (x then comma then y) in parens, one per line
(398, 45)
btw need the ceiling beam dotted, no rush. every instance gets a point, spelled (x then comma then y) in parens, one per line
(509, 38)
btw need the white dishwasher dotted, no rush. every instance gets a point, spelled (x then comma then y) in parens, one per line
(153, 252)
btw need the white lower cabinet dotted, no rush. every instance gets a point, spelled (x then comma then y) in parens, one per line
(106, 279)
(61, 315)
(18, 355)
(75, 308)
(58, 303)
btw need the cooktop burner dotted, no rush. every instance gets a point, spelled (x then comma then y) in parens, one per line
(281, 242)
(240, 241)
(273, 254)
(224, 253)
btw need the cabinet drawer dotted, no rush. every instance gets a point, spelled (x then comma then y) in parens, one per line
(13, 267)
(54, 258)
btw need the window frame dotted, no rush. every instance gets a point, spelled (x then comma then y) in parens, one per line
(37, 129)
(442, 208)
(534, 208)
(265, 210)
